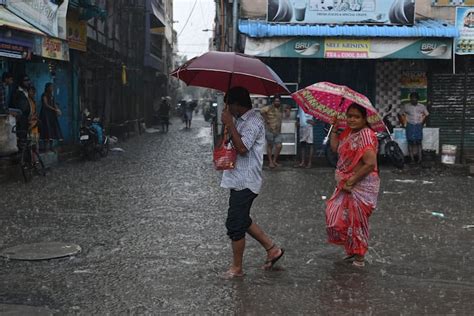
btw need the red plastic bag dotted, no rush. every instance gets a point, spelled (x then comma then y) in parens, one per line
(225, 154)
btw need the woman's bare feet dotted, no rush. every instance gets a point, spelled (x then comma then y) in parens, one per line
(358, 261)
(233, 273)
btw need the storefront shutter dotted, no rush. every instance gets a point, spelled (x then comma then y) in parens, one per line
(447, 93)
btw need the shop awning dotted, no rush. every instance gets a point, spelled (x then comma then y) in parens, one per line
(10, 20)
(422, 28)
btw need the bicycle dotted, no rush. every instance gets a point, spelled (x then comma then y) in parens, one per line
(30, 159)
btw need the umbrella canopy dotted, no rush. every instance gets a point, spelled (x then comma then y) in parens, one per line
(224, 70)
(325, 100)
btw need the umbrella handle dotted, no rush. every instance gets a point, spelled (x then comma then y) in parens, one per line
(326, 139)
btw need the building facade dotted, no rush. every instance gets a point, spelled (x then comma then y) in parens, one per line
(111, 57)
(383, 49)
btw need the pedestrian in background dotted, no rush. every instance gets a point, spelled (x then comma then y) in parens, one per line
(188, 113)
(20, 101)
(245, 181)
(414, 114)
(355, 197)
(273, 118)
(306, 123)
(7, 81)
(164, 112)
(50, 130)
(33, 119)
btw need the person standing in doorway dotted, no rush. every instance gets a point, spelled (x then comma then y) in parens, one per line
(273, 118)
(7, 81)
(247, 131)
(164, 113)
(414, 114)
(49, 128)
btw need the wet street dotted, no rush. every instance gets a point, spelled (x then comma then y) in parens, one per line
(150, 222)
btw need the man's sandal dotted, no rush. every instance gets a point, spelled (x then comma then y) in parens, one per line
(271, 262)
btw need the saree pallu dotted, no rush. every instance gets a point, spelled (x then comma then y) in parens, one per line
(347, 213)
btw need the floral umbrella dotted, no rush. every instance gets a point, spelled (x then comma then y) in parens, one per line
(325, 100)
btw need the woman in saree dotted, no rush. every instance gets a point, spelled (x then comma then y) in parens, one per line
(355, 196)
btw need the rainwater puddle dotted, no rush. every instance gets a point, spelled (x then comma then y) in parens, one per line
(204, 135)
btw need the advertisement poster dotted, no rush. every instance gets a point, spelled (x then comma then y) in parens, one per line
(76, 32)
(54, 49)
(465, 25)
(341, 11)
(350, 48)
(43, 14)
(414, 81)
(447, 3)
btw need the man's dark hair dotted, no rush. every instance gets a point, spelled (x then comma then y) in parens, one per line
(238, 95)
(21, 78)
(414, 95)
(276, 96)
(6, 75)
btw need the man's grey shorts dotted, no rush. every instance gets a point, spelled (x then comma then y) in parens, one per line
(273, 138)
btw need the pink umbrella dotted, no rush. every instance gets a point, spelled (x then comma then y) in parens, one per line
(325, 100)
(223, 70)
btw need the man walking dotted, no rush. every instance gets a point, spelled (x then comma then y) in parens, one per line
(164, 112)
(414, 114)
(273, 117)
(248, 138)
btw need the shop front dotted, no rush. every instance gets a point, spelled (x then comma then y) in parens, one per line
(372, 59)
(30, 45)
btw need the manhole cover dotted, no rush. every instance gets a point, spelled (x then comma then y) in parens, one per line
(21, 310)
(41, 251)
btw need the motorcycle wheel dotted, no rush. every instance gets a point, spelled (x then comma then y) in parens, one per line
(395, 154)
(104, 151)
(89, 152)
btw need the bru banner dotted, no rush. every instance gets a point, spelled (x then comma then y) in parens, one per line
(350, 48)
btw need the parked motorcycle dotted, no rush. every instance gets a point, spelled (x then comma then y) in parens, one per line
(388, 150)
(93, 140)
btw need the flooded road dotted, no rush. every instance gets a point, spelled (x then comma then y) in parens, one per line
(150, 222)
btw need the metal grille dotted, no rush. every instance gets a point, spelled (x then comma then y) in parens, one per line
(447, 94)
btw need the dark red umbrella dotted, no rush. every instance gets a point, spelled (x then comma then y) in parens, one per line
(224, 70)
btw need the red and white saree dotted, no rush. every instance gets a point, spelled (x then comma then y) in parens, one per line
(347, 213)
